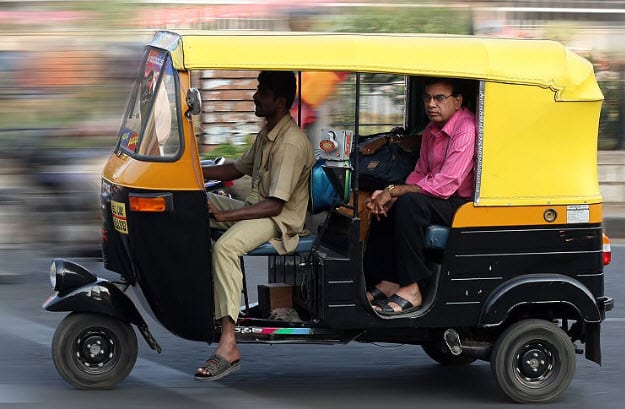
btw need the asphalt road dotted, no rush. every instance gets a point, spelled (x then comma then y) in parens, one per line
(277, 376)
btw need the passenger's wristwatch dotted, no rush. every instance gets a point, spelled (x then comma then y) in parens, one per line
(390, 189)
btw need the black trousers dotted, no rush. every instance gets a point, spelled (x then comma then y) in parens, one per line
(396, 249)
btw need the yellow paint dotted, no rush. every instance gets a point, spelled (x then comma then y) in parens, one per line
(533, 62)
(536, 151)
(471, 216)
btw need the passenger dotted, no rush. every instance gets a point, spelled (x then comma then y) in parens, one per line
(443, 180)
(279, 162)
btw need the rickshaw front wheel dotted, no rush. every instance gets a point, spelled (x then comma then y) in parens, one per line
(533, 361)
(94, 351)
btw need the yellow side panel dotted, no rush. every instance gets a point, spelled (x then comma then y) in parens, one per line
(537, 151)
(125, 171)
(470, 216)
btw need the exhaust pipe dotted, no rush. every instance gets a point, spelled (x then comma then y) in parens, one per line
(479, 350)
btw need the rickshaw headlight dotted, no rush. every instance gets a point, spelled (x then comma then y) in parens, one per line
(66, 276)
(53, 274)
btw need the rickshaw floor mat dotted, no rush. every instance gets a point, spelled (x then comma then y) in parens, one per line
(216, 367)
(405, 305)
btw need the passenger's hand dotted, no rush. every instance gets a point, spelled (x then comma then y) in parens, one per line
(380, 203)
(369, 203)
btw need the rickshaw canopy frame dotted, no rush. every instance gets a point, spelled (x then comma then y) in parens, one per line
(543, 63)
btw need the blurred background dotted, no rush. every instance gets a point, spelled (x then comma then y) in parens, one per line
(66, 69)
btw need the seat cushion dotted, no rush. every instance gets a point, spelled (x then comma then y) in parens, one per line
(436, 237)
(266, 249)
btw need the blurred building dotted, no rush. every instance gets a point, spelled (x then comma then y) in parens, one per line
(79, 53)
(581, 24)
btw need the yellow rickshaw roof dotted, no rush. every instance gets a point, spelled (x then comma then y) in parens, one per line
(542, 63)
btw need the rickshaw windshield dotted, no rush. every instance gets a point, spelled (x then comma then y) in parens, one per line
(150, 129)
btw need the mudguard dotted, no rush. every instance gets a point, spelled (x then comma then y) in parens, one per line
(539, 289)
(101, 297)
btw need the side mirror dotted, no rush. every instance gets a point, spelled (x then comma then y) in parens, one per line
(194, 102)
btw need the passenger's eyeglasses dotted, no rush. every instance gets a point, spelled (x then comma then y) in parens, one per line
(439, 98)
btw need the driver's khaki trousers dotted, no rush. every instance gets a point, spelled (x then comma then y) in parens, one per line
(239, 239)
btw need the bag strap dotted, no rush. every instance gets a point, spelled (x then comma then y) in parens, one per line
(372, 145)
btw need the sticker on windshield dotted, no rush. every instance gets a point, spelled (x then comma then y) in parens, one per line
(118, 211)
(578, 214)
(129, 139)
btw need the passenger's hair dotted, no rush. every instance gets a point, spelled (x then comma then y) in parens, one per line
(459, 86)
(282, 83)
(452, 82)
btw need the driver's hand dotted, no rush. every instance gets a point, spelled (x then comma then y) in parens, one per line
(214, 211)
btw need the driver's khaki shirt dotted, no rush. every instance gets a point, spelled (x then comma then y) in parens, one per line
(279, 163)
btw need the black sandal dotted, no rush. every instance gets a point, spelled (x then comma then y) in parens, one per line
(216, 367)
(405, 305)
(377, 294)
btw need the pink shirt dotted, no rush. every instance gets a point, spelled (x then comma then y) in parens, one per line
(445, 167)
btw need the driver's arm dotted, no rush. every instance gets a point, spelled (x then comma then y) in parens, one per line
(268, 207)
(226, 171)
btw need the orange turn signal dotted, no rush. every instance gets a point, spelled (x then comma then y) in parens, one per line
(147, 204)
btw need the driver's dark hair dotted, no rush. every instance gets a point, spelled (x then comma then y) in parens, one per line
(282, 83)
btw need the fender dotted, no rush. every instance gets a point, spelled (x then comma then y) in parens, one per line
(539, 289)
(101, 297)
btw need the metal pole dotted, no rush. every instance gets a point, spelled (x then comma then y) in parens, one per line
(355, 145)
(620, 130)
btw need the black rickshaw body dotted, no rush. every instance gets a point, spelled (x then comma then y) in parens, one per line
(525, 255)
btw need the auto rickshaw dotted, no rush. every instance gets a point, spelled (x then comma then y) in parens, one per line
(518, 277)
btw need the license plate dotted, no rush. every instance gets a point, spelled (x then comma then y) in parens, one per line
(118, 210)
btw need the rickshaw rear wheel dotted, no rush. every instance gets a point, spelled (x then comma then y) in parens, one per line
(533, 361)
(94, 351)
(441, 354)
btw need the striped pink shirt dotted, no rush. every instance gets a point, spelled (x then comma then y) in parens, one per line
(445, 167)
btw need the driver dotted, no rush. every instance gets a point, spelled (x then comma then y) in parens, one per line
(279, 162)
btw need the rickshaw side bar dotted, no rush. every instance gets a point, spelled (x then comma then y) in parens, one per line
(291, 335)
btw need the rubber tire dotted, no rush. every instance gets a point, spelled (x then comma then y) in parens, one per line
(441, 354)
(545, 336)
(65, 350)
